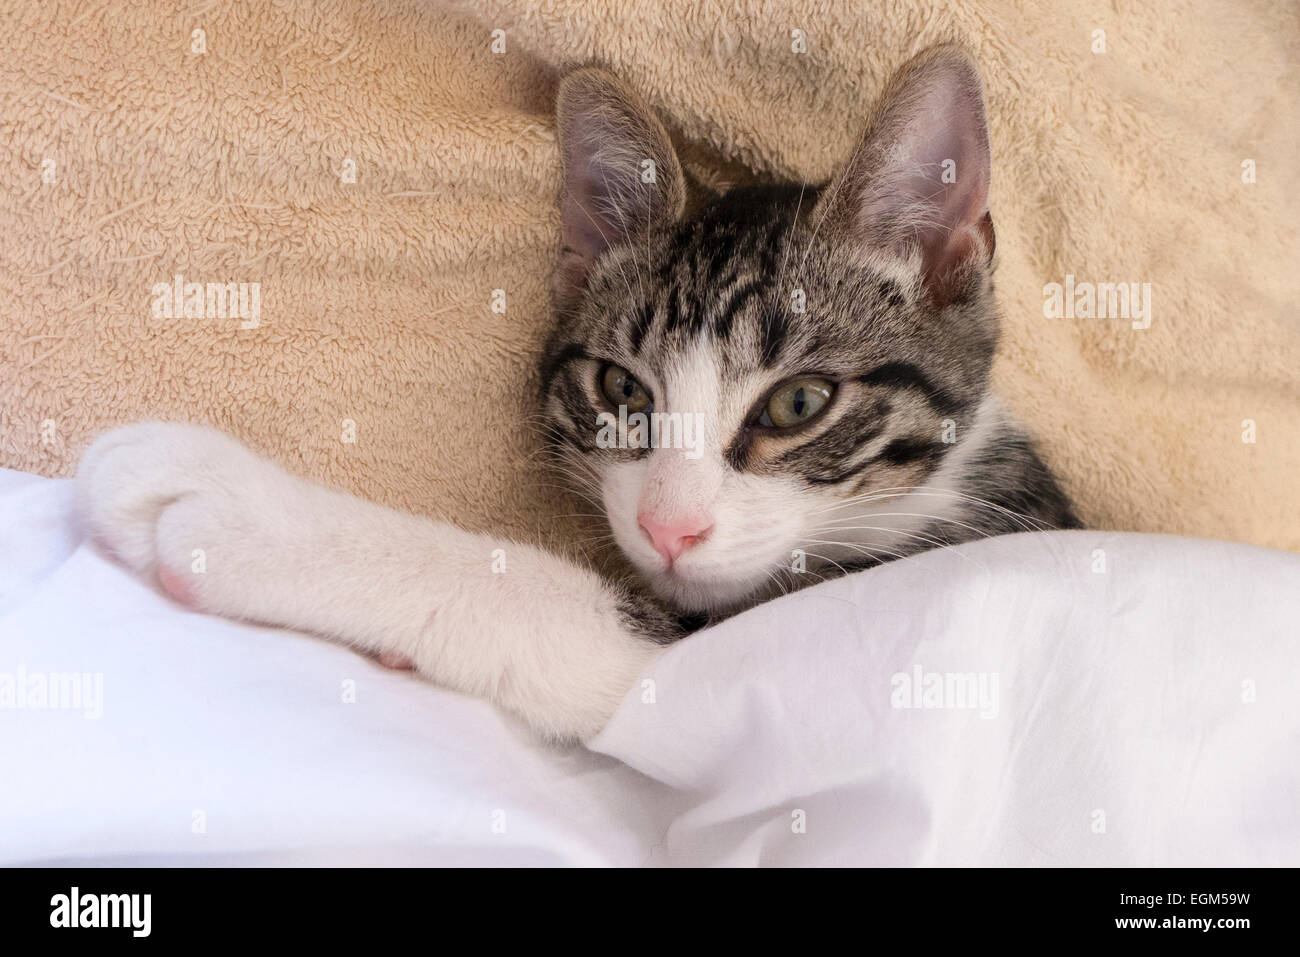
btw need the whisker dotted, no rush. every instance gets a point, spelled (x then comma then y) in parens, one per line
(904, 491)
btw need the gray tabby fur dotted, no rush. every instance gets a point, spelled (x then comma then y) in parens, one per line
(897, 276)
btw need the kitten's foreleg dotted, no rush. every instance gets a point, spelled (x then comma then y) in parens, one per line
(229, 533)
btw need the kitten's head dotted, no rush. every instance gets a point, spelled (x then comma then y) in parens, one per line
(800, 347)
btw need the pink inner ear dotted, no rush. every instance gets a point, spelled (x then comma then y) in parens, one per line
(942, 261)
(586, 230)
(924, 171)
(606, 133)
(570, 278)
(937, 185)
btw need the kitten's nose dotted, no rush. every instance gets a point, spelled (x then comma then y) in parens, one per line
(670, 539)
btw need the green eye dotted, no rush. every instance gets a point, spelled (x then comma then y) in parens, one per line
(621, 388)
(796, 402)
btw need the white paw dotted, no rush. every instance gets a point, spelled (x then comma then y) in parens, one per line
(168, 500)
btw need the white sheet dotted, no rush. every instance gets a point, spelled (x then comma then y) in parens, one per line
(1147, 712)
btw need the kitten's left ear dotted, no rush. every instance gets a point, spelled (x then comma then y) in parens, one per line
(918, 180)
(621, 173)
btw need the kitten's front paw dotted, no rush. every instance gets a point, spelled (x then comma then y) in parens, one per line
(162, 497)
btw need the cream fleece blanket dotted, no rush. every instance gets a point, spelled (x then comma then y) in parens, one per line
(381, 178)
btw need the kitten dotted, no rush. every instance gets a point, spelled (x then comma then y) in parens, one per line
(835, 343)
(830, 346)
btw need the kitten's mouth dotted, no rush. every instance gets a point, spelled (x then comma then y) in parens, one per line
(698, 589)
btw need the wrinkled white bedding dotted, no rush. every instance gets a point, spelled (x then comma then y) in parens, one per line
(1080, 698)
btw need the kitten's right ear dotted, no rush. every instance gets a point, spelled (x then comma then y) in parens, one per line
(621, 174)
(918, 180)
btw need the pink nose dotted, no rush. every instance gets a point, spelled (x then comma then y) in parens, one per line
(672, 538)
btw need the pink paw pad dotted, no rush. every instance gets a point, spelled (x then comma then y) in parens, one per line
(396, 661)
(178, 585)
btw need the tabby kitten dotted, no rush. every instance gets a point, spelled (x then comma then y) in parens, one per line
(830, 348)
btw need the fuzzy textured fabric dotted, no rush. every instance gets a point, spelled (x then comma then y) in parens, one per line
(135, 149)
